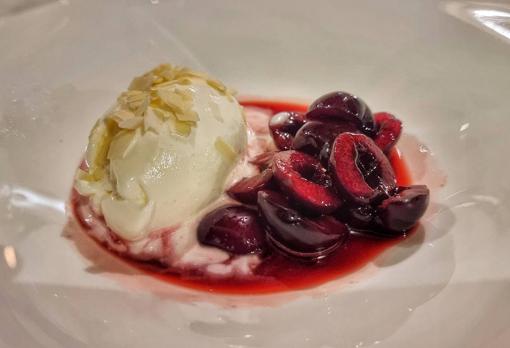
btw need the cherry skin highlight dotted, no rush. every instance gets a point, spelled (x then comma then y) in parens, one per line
(235, 229)
(283, 127)
(246, 189)
(402, 211)
(297, 235)
(343, 107)
(388, 130)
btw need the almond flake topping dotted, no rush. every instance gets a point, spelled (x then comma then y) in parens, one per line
(225, 149)
(159, 101)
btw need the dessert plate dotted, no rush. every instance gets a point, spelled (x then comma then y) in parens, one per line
(442, 67)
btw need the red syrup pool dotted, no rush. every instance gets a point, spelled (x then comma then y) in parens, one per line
(277, 273)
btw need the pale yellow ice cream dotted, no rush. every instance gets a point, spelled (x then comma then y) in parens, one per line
(163, 151)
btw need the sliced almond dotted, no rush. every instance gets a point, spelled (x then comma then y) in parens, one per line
(121, 115)
(135, 101)
(180, 103)
(131, 123)
(172, 99)
(152, 122)
(183, 128)
(225, 149)
(142, 83)
(99, 143)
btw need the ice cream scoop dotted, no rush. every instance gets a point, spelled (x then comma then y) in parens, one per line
(162, 152)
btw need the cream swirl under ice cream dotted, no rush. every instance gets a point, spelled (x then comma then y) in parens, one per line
(162, 152)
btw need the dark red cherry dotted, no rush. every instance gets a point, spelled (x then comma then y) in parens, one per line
(361, 170)
(235, 229)
(263, 160)
(358, 217)
(388, 130)
(246, 189)
(315, 137)
(304, 179)
(343, 107)
(295, 235)
(402, 211)
(283, 127)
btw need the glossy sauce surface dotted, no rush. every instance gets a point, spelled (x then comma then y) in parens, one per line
(277, 273)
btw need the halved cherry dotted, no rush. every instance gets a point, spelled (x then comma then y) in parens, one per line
(388, 130)
(402, 211)
(295, 235)
(315, 137)
(284, 126)
(246, 189)
(303, 178)
(360, 168)
(235, 229)
(343, 107)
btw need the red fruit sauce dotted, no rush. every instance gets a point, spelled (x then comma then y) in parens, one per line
(277, 273)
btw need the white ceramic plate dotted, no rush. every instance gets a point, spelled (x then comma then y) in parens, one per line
(443, 67)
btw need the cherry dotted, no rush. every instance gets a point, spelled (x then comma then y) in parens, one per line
(283, 127)
(361, 169)
(388, 130)
(315, 138)
(359, 217)
(246, 189)
(298, 236)
(235, 229)
(343, 107)
(304, 179)
(263, 160)
(402, 211)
